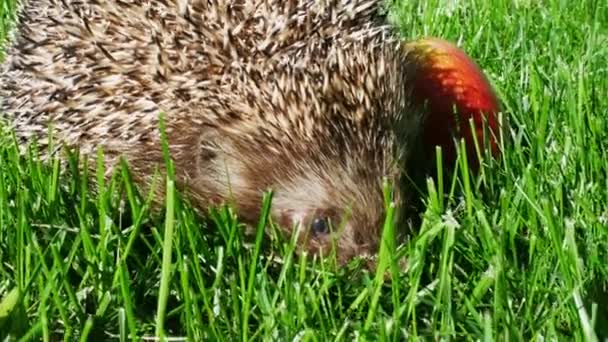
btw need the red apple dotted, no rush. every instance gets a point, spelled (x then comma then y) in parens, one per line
(453, 90)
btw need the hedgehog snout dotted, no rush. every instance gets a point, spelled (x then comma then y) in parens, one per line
(320, 230)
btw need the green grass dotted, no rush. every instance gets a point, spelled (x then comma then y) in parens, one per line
(518, 252)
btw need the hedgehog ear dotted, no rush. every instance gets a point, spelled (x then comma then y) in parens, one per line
(207, 147)
(197, 152)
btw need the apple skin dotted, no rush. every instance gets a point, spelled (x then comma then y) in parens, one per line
(451, 89)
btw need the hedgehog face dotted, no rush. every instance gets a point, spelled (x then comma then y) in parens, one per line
(325, 215)
(350, 232)
(331, 202)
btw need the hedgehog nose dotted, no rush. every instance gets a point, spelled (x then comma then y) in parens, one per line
(371, 264)
(364, 244)
(368, 252)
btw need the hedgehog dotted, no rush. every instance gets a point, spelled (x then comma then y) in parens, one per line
(320, 102)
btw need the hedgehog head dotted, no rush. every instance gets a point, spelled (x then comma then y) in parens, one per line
(328, 196)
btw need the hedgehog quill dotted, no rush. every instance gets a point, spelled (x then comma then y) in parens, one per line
(318, 101)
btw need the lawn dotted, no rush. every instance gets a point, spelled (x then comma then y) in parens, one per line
(519, 251)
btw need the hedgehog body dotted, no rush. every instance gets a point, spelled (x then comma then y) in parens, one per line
(303, 97)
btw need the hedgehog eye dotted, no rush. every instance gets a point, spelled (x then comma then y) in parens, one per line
(320, 225)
